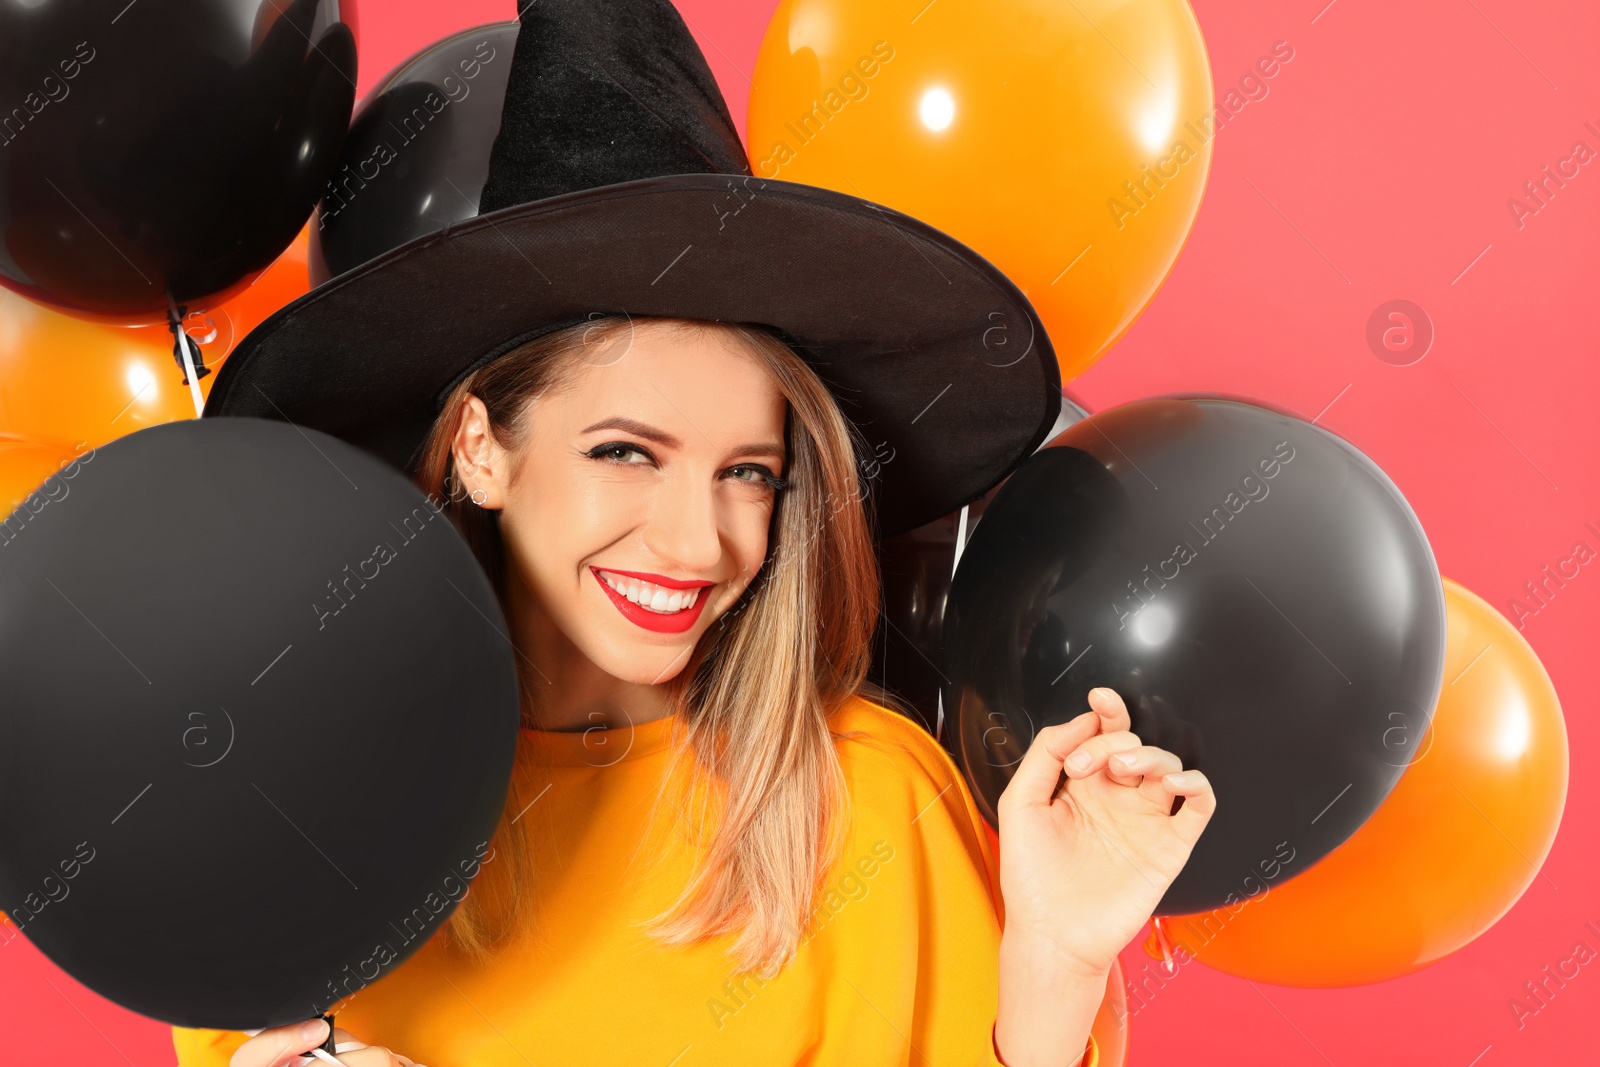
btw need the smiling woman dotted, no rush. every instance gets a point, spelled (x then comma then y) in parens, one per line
(618, 479)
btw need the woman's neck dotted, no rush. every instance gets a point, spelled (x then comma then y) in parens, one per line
(570, 692)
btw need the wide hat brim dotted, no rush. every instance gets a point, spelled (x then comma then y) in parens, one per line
(930, 350)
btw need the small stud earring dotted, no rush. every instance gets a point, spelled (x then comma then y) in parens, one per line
(479, 496)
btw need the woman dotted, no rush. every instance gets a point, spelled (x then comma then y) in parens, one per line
(716, 848)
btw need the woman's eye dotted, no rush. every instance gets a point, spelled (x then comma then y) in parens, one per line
(620, 452)
(755, 474)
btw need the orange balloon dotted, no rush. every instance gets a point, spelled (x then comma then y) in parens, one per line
(1069, 144)
(1447, 853)
(68, 384)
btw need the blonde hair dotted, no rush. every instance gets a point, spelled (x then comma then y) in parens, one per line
(753, 700)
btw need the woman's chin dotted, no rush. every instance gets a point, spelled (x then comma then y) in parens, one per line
(649, 659)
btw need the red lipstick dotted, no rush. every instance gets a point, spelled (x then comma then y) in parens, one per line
(675, 623)
(656, 579)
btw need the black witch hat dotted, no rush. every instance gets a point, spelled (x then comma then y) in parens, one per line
(618, 185)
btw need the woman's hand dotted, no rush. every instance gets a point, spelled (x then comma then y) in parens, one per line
(290, 1046)
(1081, 870)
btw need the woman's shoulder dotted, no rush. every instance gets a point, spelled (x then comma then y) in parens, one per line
(888, 756)
(907, 790)
(863, 728)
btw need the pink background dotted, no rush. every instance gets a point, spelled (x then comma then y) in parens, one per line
(1388, 150)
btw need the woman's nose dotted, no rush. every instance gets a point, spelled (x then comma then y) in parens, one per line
(682, 529)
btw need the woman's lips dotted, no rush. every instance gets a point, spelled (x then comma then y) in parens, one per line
(657, 579)
(673, 622)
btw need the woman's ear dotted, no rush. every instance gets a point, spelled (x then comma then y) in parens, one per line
(481, 465)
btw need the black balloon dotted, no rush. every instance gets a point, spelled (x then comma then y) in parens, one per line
(160, 149)
(417, 154)
(1255, 588)
(257, 725)
(916, 568)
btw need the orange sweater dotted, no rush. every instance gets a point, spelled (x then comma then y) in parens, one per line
(898, 965)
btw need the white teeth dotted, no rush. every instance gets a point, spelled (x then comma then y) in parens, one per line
(650, 596)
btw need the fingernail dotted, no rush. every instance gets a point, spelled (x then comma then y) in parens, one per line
(1078, 761)
(1177, 779)
(313, 1030)
(1126, 759)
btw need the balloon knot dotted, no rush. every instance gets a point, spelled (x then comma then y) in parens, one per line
(179, 340)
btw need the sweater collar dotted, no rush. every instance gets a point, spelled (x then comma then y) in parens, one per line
(600, 748)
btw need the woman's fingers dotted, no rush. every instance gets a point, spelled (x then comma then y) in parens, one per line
(371, 1056)
(1091, 756)
(1113, 736)
(343, 1041)
(1112, 711)
(1199, 802)
(281, 1046)
(348, 1049)
(1039, 772)
(1146, 762)
(1080, 748)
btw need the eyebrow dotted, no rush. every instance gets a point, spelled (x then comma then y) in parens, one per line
(662, 437)
(633, 426)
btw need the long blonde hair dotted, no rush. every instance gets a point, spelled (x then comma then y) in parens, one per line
(754, 699)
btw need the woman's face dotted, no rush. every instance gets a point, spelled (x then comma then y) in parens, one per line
(637, 509)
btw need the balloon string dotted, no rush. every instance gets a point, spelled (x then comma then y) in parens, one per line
(961, 539)
(1159, 924)
(961, 542)
(184, 343)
